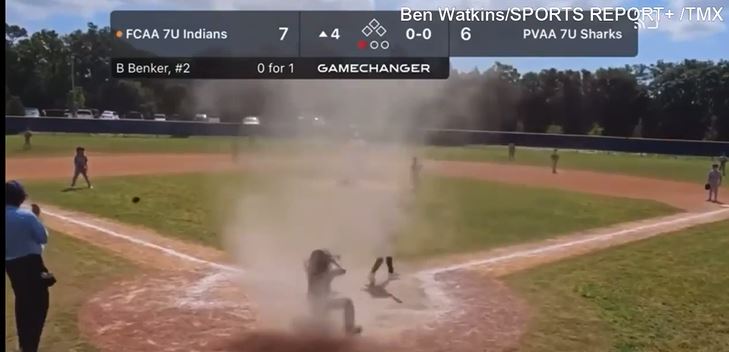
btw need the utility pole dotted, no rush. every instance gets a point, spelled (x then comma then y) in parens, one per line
(73, 74)
(73, 87)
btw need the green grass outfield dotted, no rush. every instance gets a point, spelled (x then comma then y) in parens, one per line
(683, 168)
(450, 215)
(667, 293)
(690, 169)
(81, 270)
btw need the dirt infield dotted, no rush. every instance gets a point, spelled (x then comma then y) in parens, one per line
(116, 165)
(154, 313)
(678, 194)
(186, 302)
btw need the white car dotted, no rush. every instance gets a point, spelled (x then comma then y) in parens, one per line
(32, 112)
(160, 117)
(318, 121)
(109, 115)
(84, 114)
(251, 121)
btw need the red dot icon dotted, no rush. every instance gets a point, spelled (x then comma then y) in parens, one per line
(362, 44)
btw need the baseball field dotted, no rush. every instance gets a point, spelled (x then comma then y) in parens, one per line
(615, 252)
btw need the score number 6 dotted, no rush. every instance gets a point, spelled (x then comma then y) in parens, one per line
(466, 34)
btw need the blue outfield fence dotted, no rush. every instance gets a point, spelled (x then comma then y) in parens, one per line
(16, 125)
(570, 141)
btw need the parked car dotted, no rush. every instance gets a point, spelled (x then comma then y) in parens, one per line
(251, 121)
(84, 114)
(318, 121)
(32, 112)
(134, 115)
(55, 112)
(160, 117)
(201, 117)
(109, 115)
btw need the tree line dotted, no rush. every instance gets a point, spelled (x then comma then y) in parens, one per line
(683, 100)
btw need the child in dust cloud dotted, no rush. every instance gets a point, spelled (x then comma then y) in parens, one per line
(385, 250)
(390, 269)
(415, 169)
(393, 221)
(321, 269)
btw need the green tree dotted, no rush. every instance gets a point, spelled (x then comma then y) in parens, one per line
(14, 106)
(621, 101)
(75, 99)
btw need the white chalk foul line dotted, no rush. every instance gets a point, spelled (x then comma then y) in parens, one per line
(433, 289)
(163, 249)
(555, 247)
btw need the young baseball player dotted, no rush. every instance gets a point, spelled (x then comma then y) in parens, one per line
(555, 159)
(415, 168)
(512, 151)
(385, 247)
(321, 269)
(722, 163)
(80, 167)
(27, 135)
(714, 181)
(392, 275)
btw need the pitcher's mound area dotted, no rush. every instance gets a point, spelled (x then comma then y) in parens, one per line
(207, 312)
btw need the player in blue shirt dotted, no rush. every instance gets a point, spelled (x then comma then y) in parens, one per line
(25, 237)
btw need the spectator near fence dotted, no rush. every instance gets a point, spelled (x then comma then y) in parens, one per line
(25, 238)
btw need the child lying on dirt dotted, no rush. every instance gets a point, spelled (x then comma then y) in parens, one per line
(320, 273)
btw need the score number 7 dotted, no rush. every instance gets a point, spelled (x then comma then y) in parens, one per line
(284, 30)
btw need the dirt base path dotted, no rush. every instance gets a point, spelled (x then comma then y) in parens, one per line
(116, 165)
(681, 195)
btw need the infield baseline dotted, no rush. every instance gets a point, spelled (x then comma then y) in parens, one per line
(427, 272)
